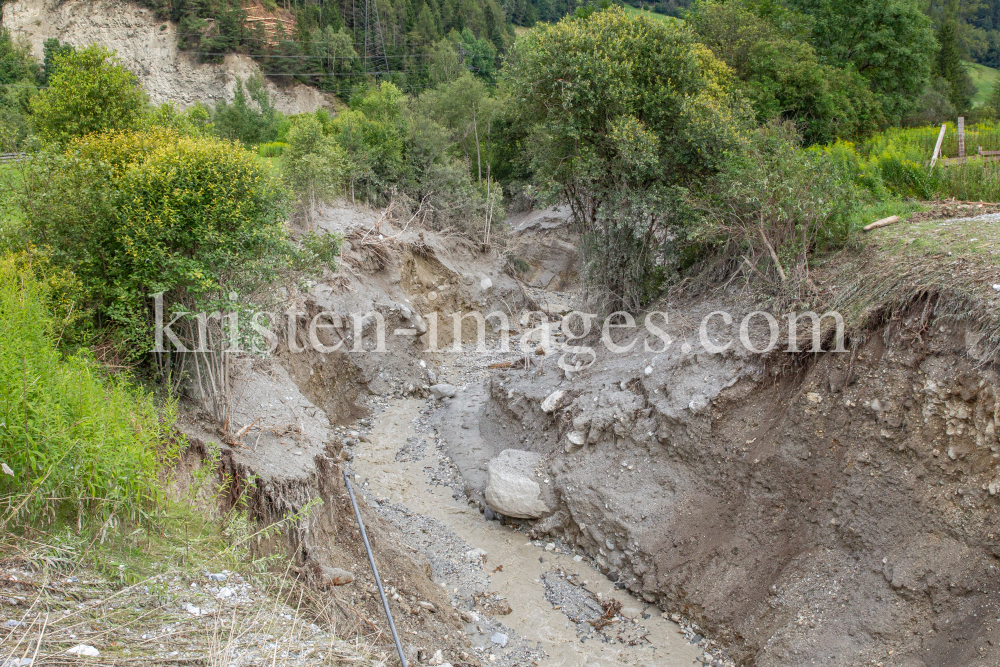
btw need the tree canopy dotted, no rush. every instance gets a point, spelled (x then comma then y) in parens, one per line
(621, 113)
(88, 93)
(888, 42)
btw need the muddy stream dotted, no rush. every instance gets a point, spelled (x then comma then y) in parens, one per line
(546, 587)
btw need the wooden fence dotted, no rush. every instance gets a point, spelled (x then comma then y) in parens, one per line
(937, 158)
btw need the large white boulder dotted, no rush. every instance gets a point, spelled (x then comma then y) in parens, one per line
(511, 486)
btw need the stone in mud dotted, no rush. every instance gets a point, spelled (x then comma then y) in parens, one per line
(553, 400)
(500, 639)
(444, 390)
(575, 440)
(334, 576)
(698, 403)
(550, 524)
(476, 556)
(510, 486)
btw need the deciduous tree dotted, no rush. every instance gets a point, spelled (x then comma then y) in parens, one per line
(90, 92)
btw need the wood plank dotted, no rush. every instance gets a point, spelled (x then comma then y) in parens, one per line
(961, 136)
(937, 147)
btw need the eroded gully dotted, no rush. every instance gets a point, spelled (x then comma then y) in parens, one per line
(514, 568)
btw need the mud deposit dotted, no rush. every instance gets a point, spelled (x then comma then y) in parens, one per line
(523, 602)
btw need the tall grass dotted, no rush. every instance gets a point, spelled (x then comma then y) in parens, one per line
(72, 443)
(273, 149)
(894, 163)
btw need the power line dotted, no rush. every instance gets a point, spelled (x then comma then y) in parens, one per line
(271, 39)
(305, 57)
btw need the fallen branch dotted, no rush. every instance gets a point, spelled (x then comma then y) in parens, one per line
(770, 249)
(884, 222)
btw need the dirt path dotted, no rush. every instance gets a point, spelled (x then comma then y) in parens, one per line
(551, 592)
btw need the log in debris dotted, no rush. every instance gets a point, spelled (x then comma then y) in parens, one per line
(884, 222)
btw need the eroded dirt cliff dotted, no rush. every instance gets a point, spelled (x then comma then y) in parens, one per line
(148, 48)
(838, 510)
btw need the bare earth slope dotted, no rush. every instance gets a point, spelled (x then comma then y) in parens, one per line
(835, 509)
(148, 48)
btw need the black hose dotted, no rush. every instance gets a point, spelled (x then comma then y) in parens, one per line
(378, 580)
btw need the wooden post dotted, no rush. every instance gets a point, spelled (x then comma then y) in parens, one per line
(961, 136)
(937, 147)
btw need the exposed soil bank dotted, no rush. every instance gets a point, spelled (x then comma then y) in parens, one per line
(840, 512)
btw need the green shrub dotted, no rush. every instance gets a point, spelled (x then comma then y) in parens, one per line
(272, 149)
(191, 122)
(89, 92)
(313, 166)
(137, 214)
(781, 73)
(371, 133)
(70, 440)
(774, 203)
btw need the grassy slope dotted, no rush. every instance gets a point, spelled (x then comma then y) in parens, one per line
(985, 78)
(653, 15)
(956, 262)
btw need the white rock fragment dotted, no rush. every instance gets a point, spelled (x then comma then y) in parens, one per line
(575, 440)
(475, 555)
(85, 650)
(194, 611)
(552, 401)
(698, 403)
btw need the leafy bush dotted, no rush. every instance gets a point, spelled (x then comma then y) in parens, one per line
(137, 214)
(774, 203)
(192, 122)
(88, 93)
(70, 440)
(448, 159)
(20, 75)
(888, 42)
(782, 74)
(16, 63)
(371, 133)
(251, 118)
